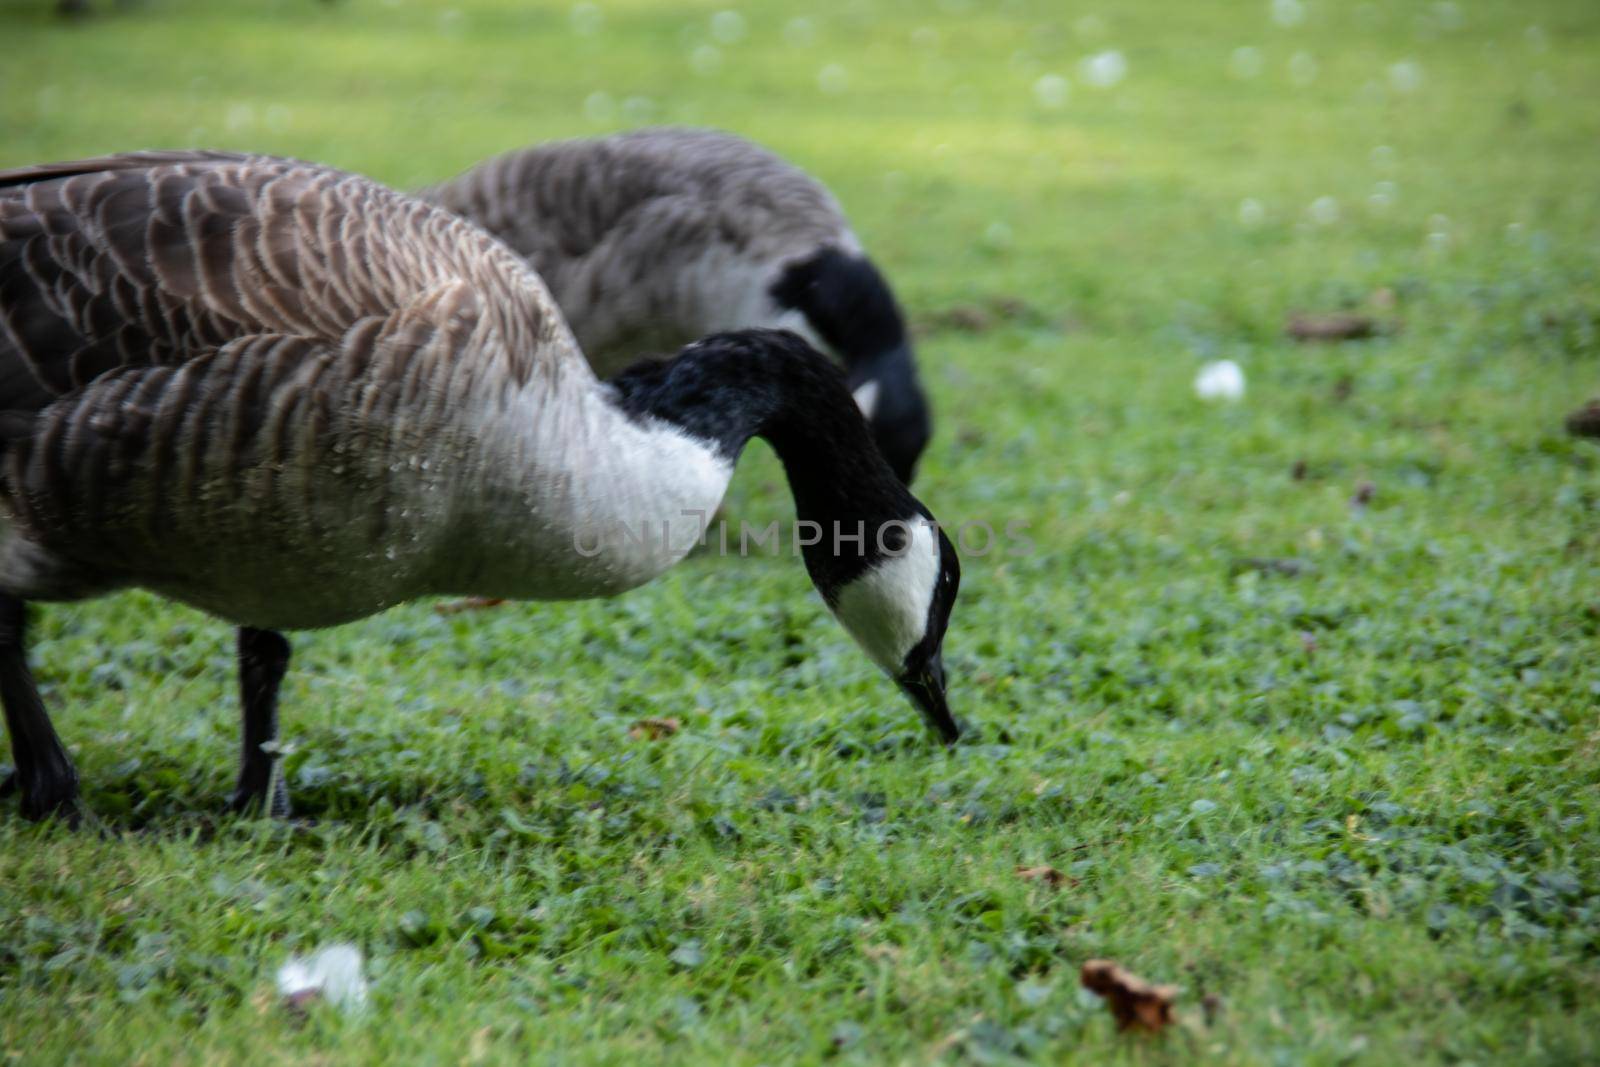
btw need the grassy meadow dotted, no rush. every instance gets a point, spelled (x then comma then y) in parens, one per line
(1298, 693)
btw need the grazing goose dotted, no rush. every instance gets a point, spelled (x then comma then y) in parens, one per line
(652, 238)
(292, 397)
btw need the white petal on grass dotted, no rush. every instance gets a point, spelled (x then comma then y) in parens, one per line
(833, 79)
(587, 19)
(728, 27)
(1288, 12)
(1089, 28)
(1440, 232)
(1447, 14)
(998, 235)
(240, 118)
(800, 32)
(599, 107)
(1405, 76)
(1221, 379)
(1051, 91)
(278, 118)
(925, 38)
(1324, 211)
(333, 972)
(1302, 69)
(1251, 212)
(451, 21)
(1383, 157)
(638, 109)
(707, 59)
(1245, 62)
(1104, 69)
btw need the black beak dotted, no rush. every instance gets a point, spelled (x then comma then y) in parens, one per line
(926, 690)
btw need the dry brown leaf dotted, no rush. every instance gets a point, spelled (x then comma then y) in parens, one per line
(964, 318)
(471, 603)
(985, 315)
(1048, 875)
(1134, 1003)
(654, 729)
(881, 953)
(1335, 326)
(478, 1045)
(1585, 422)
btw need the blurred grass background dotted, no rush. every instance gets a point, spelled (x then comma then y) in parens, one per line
(1359, 804)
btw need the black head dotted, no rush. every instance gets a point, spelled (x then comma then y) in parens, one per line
(872, 549)
(850, 308)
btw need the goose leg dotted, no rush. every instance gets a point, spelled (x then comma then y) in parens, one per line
(263, 659)
(44, 776)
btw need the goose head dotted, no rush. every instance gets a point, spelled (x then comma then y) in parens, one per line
(898, 607)
(841, 302)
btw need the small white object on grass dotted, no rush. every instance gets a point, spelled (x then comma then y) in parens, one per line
(1104, 69)
(1288, 13)
(1221, 379)
(333, 973)
(1051, 91)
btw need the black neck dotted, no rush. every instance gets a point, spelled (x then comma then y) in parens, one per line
(770, 384)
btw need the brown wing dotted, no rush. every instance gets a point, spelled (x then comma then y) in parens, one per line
(158, 258)
(562, 201)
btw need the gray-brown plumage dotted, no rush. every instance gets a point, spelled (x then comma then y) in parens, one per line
(652, 238)
(292, 397)
(155, 306)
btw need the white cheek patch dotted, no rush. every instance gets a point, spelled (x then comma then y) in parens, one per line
(886, 609)
(795, 321)
(866, 397)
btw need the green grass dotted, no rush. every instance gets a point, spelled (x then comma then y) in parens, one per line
(1361, 805)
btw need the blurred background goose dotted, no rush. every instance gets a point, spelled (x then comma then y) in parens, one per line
(292, 397)
(652, 238)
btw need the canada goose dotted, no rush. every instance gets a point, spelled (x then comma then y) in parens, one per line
(292, 397)
(652, 238)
